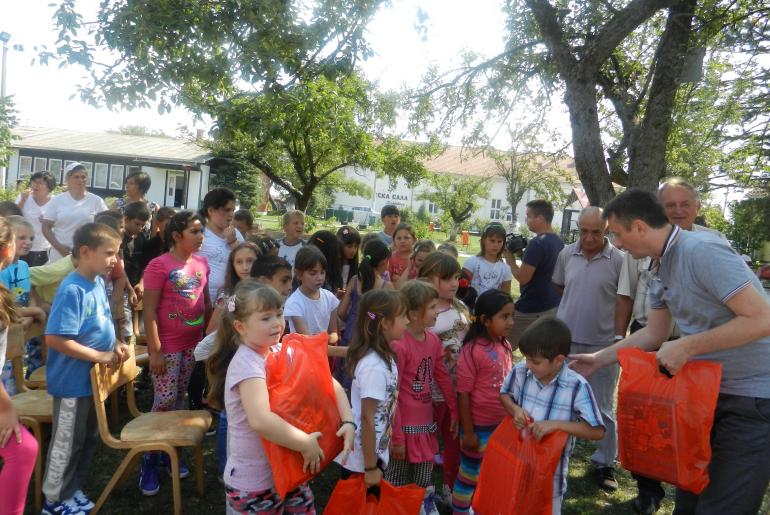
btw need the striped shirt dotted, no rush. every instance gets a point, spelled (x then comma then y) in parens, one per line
(568, 397)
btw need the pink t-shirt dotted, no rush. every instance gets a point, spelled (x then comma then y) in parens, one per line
(181, 308)
(247, 467)
(397, 264)
(481, 370)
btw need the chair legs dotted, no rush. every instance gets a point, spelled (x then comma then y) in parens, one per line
(199, 468)
(176, 487)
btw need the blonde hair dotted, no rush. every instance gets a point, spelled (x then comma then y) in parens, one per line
(289, 215)
(8, 313)
(418, 294)
(444, 267)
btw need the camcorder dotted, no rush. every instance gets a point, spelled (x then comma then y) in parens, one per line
(515, 242)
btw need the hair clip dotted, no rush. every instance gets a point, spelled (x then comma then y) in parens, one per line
(368, 257)
(320, 240)
(345, 231)
(231, 304)
(464, 283)
(371, 315)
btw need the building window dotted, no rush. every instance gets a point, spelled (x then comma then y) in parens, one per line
(100, 175)
(116, 177)
(40, 163)
(89, 173)
(25, 167)
(432, 208)
(509, 216)
(496, 211)
(54, 167)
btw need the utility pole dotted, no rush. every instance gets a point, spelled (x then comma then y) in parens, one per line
(4, 37)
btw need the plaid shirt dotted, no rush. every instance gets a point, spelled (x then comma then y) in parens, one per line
(568, 397)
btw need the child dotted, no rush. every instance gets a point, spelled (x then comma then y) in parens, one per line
(312, 309)
(116, 282)
(543, 394)
(252, 324)
(18, 448)
(244, 222)
(136, 216)
(390, 217)
(483, 364)
(371, 362)
(448, 249)
(273, 271)
(443, 272)
(487, 270)
(351, 242)
(79, 333)
(176, 307)
(267, 246)
(421, 250)
(293, 223)
(156, 245)
(238, 267)
(403, 242)
(419, 359)
(331, 247)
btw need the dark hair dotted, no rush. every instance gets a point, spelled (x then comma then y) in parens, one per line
(547, 338)
(331, 247)
(8, 208)
(111, 219)
(349, 235)
(8, 313)
(249, 297)
(142, 179)
(137, 211)
(215, 199)
(375, 252)
(488, 304)
(46, 177)
(493, 229)
(93, 236)
(403, 226)
(308, 257)
(164, 213)
(267, 266)
(389, 210)
(244, 215)
(178, 223)
(264, 243)
(542, 208)
(636, 204)
(231, 278)
(374, 307)
(440, 265)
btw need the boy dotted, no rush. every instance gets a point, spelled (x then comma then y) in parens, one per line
(390, 217)
(79, 333)
(244, 222)
(293, 229)
(135, 218)
(544, 395)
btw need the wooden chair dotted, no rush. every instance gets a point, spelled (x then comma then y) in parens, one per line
(163, 431)
(142, 357)
(34, 407)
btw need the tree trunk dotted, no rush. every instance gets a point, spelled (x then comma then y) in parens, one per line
(453, 232)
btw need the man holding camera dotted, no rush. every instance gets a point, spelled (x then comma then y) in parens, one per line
(538, 297)
(587, 274)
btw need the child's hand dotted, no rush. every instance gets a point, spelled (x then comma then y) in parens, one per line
(106, 358)
(454, 428)
(133, 300)
(139, 291)
(398, 452)
(373, 477)
(26, 322)
(122, 351)
(544, 427)
(312, 454)
(521, 418)
(157, 363)
(9, 426)
(340, 293)
(470, 442)
(348, 433)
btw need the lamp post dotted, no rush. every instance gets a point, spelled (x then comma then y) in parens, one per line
(4, 37)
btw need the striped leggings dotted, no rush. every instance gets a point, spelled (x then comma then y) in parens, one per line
(468, 476)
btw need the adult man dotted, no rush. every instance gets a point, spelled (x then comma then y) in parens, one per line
(538, 296)
(390, 217)
(722, 316)
(586, 273)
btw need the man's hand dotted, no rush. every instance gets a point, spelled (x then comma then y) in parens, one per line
(584, 364)
(673, 354)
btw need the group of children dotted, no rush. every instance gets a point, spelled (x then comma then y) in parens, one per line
(410, 360)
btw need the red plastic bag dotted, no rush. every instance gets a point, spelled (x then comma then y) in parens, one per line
(517, 472)
(301, 392)
(664, 423)
(349, 498)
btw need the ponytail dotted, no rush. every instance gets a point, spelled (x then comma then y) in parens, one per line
(375, 252)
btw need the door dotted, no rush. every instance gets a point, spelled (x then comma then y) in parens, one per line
(175, 187)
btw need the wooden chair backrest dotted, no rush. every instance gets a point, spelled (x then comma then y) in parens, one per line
(15, 348)
(105, 380)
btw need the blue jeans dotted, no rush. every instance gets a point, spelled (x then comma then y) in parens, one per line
(222, 442)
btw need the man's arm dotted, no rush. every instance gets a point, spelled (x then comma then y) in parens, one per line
(523, 274)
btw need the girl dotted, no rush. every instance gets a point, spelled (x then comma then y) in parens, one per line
(331, 247)
(18, 448)
(266, 245)
(371, 362)
(487, 270)
(238, 267)
(311, 309)
(176, 308)
(351, 242)
(376, 254)
(483, 364)
(252, 323)
(403, 241)
(220, 236)
(419, 359)
(421, 250)
(443, 272)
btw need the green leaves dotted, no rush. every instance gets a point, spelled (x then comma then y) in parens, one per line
(7, 121)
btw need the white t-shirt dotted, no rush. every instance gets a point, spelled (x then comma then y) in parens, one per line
(373, 380)
(316, 313)
(68, 215)
(289, 252)
(486, 275)
(216, 251)
(32, 211)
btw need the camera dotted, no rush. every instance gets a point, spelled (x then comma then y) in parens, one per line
(515, 242)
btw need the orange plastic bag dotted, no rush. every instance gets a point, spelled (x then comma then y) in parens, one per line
(349, 498)
(517, 472)
(301, 392)
(664, 423)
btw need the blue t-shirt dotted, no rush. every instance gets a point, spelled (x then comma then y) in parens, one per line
(15, 277)
(539, 294)
(81, 312)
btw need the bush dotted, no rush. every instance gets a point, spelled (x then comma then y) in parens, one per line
(310, 223)
(420, 229)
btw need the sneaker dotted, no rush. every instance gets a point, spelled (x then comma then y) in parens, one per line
(68, 507)
(83, 501)
(149, 479)
(165, 464)
(605, 478)
(444, 496)
(429, 503)
(645, 505)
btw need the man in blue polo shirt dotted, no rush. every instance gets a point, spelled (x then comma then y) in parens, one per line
(723, 316)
